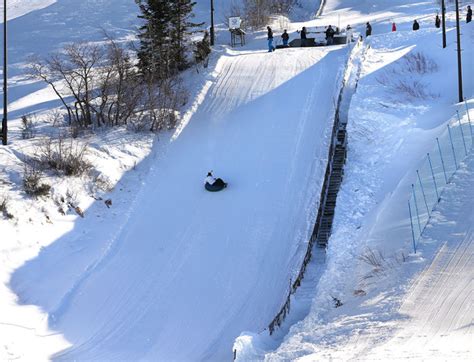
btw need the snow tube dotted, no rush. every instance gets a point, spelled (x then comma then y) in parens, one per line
(216, 186)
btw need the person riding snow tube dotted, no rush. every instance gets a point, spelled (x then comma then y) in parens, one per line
(214, 184)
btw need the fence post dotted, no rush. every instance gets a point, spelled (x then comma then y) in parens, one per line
(412, 230)
(416, 207)
(434, 179)
(442, 161)
(423, 192)
(468, 116)
(462, 133)
(452, 147)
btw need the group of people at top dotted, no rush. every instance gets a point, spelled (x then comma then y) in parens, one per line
(416, 25)
(330, 32)
(285, 37)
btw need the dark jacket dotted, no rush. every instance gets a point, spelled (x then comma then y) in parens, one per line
(437, 21)
(416, 26)
(469, 15)
(285, 36)
(269, 34)
(329, 32)
(368, 30)
(303, 33)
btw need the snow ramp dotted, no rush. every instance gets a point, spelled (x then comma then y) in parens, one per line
(189, 270)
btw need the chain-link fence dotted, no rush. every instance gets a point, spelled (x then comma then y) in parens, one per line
(437, 169)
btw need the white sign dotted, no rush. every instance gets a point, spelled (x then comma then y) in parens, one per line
(234, 22)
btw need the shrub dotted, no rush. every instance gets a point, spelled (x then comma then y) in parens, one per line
(64, 156)
(32, 181)
(4, 207)
(27, 127)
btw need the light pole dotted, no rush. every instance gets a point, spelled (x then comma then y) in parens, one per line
(458, 36)
(5, 98)
(212, 23)
(443, 15)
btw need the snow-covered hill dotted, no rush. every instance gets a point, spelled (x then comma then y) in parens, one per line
(172, 272)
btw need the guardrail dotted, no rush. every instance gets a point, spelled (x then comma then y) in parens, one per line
(436, 171)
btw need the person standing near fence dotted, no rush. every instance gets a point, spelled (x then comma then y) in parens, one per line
(285, 37)
(469, 14)
(271, 48)
(368, 30)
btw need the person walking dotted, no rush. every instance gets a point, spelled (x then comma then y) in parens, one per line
(285, 37)
(368, 30)
(437, 21)
(271, 48)
(394, 26)
(416, 26)
(330, 35)
(469, 14)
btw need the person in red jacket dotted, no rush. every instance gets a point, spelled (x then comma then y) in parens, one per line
(394, 26)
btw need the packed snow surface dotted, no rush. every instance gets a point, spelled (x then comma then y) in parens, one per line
(187, 270)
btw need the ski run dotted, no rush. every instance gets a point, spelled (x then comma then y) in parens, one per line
(159, 269)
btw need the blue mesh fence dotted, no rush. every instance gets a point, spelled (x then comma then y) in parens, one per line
(436, 170)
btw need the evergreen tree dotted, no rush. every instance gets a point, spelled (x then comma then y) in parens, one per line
(153, 53)
(181, 30)
(164, 36)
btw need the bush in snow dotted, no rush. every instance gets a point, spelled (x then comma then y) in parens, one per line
(419, 63)
(32, 177)
(27, 127)
(202, 50)
(67, 156)
(406, 76)
(107, 89)
(379, 263)
(4, 208)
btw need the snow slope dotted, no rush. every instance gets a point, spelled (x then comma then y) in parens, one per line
(188, 270)
(437, 310)
(390, 133)
(17, 8)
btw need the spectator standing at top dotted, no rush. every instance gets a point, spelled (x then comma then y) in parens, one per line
(271, 48)
(330, 35)
(469, 14)
(416, 26)
(285, 37)
(368, 30)
(437, 21)
(348, 34)
(303, 37)
(394, 26)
